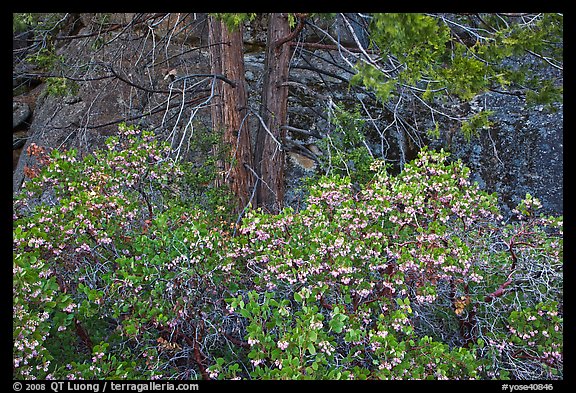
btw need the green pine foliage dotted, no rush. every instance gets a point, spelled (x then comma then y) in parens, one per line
(441, 56)
(233, 20)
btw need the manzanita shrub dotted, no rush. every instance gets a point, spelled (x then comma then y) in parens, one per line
(110, 270)
(415, 276)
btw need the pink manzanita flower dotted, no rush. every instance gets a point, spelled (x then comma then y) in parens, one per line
(385, 365)
(256, 362)
(105, 240)
(97, 356)
(283, 345)
(317, 325)
(83, 248)
(326, 347)
(261, 235)
(364, 293)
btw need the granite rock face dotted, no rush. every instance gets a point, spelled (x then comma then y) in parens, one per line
(521, 153)
(20, 113)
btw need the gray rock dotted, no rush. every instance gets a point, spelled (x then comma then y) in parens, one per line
(20, 113)
(249, 75)
(19, 139)
(521, 153)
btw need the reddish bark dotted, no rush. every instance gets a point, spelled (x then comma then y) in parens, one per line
(229, 109)
(497, 293)
(83, 334)
(269, 155)
(240, 343)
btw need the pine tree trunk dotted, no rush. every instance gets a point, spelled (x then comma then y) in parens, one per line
(269, 155)
(216, 110)
(230, 108)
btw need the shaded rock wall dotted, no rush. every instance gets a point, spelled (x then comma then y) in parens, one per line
(521, 153)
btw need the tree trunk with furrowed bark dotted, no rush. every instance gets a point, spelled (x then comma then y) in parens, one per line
(229, 110)
(269, 153)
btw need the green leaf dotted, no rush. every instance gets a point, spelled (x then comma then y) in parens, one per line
(295, 362)
(311, 349)
(313, 336)
(337, 322)
(297, 297)
(480, 343)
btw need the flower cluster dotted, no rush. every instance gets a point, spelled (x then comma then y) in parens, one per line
(70, 222)
(403, 259)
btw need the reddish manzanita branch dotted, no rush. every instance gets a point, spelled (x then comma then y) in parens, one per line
(80, 330)
(513, 255)
(499, 292)
(83, 334)
(197, 357)
(467, 324)
(235, 341)
(325, 304)
(522, 354)
(513, 243)
(199, 361)
(355, 301)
